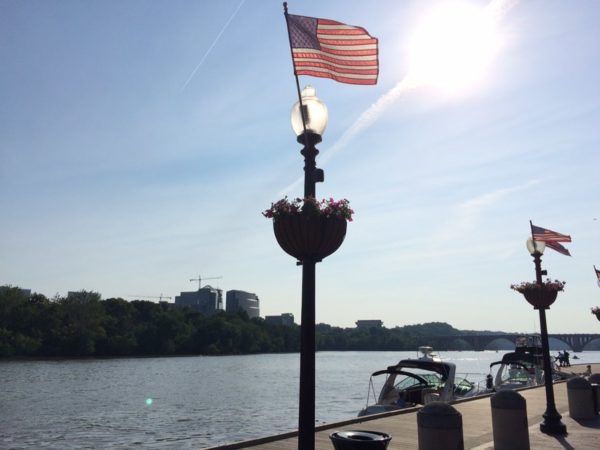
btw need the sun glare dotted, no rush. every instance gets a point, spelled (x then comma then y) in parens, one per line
(452, 46)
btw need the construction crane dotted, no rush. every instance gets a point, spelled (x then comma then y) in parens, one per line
(199, 280)
(159, 297)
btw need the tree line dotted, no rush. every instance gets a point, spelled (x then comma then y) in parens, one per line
(84, 325)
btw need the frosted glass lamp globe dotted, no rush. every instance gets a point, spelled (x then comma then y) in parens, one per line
(315, 113)
(535, 246)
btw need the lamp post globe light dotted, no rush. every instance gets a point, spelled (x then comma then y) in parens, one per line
(309, 121)
(315, 113)
(552, 423)
(535, 246)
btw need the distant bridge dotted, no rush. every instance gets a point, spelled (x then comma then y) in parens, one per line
(479, 342)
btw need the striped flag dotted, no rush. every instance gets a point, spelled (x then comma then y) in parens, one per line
(541, 234)
(329, 49)
(558, 247)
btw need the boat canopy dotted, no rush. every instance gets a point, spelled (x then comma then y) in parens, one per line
(518, 357)
(514, 364)
(442, 368)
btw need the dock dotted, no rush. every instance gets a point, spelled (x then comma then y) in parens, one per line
(477, 424)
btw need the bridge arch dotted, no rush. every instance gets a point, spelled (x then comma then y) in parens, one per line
(577, 342)
(479, 342)
(595, 341)
(500, 343)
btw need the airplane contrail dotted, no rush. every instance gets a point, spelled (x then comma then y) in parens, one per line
(212, 45)
(498, 8)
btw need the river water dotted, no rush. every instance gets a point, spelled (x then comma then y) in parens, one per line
(188, 402)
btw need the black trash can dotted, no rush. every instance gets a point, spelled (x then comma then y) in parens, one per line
(360, 440)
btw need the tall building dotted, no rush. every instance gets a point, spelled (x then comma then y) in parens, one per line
(285, 319)
(207, 300)
(369, 324)
(243, 301)
(24, 292)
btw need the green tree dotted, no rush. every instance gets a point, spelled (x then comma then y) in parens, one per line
(82, 323)
(119, 325)
(20, 321)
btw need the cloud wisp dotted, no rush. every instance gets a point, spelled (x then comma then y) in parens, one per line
(467, 215)
(364, 121)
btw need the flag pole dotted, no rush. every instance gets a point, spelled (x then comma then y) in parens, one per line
(302, 115)
(531, 227)
(306, 400)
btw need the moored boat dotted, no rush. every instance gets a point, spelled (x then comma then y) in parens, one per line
(521, 368)
(414, 382)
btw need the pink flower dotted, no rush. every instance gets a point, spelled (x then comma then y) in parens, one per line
(311, 207)
(548, 285)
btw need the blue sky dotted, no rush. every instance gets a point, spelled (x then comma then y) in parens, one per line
(122, 173)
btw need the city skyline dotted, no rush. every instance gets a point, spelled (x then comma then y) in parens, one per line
(140, 142)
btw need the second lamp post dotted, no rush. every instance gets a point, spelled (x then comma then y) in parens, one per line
(552, 423)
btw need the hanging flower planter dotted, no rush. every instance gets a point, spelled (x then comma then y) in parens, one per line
(540, 296)
(309, 230)
(309, 238)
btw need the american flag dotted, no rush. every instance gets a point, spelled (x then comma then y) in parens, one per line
(558, 247)
(329, 49)
(541, 234)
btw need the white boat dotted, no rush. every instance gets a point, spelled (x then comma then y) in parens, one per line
(414, 382)
(522, 368)
(427, 354)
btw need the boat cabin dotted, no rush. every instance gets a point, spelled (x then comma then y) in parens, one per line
(520, 368)
(414, 382)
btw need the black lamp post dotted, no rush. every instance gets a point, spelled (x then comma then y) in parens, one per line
(309, 238)
(309, 130)
(552, 423)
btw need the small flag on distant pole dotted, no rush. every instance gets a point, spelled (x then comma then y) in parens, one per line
(542, 234)
(329, 49)
(597, 274)
(551, 238)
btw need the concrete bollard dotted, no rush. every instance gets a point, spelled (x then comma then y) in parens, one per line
(581, 402)
(509, 421)
(594, 380)
(440, 427)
